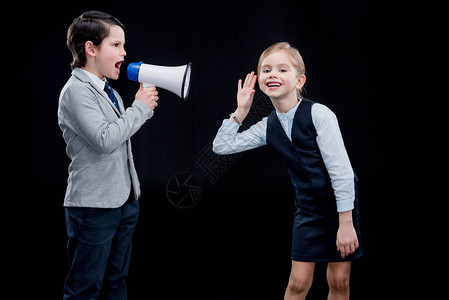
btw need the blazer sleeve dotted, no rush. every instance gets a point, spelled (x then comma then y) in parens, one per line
(83, 112)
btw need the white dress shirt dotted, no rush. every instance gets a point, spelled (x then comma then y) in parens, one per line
(329, 140)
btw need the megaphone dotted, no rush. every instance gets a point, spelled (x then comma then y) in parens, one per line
(173, 79)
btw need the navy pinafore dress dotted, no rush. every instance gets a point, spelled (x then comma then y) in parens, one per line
(316, 218)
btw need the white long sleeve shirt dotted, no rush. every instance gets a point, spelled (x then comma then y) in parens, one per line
(329, 140)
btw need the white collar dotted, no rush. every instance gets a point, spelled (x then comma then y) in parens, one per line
(95, 79)
(291, 113)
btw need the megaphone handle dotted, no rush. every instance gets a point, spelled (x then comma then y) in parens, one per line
(147, 85)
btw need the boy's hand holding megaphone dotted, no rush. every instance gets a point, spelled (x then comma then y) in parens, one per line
(148, 96)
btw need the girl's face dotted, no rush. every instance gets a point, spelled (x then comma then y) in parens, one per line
(278, 78)
(110, 54)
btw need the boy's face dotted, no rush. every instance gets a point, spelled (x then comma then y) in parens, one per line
(278, 78)
(110, 54)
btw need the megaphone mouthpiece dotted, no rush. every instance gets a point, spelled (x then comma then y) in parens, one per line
(133, 71)
(173, 79)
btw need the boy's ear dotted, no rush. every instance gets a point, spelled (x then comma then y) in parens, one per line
(90, 48)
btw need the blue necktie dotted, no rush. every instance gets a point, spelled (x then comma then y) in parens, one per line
(110, 92)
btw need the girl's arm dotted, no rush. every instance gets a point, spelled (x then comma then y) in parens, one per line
(228, 141)
(334, 155)
(337, 163)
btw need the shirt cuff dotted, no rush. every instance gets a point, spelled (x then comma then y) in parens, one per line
(229, 127)
(345, 205)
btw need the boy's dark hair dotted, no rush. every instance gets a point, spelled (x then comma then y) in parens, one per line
(89, 26)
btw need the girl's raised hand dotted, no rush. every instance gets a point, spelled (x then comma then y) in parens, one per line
(246, 92)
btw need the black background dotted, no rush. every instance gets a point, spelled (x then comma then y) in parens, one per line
(235, 243)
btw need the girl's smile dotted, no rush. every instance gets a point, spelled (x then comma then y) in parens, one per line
(273, 85)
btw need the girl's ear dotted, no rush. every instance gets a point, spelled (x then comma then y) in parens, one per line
(301, 81)
(90, 48)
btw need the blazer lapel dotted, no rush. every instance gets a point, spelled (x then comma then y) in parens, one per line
(77, 72)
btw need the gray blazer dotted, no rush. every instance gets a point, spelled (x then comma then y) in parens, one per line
(98, 143)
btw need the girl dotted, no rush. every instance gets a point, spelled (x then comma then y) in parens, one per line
(306, 136)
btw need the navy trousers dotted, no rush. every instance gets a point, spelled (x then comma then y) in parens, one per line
(99, 249)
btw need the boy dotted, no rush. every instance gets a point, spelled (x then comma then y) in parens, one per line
(101, 201)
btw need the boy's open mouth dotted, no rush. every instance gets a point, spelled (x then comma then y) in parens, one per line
(118, 64)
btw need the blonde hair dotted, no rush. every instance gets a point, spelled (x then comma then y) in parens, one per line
(293, 54)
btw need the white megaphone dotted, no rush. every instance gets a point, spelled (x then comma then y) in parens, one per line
(173, 79)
